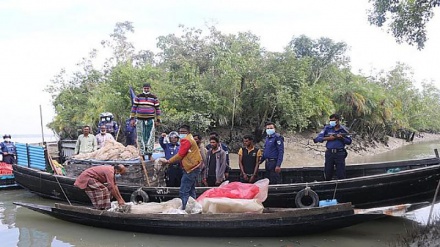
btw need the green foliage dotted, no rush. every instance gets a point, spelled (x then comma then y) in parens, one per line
(408, 19)
(215, 79)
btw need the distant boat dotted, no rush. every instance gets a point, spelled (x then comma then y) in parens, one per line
(7, 180)
(272, 222)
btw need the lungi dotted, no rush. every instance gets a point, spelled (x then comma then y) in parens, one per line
(98, 194)
(145, 135)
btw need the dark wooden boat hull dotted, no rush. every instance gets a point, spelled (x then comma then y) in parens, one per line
(273, 223)
(368, 185)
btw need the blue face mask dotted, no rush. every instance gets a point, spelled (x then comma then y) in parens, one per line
(333, 123)
(270, 131)
(117, 175)
(182, 136)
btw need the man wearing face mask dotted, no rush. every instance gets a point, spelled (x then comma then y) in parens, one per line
(93, 181)
(337, 137)
(8, 150)
(146, 111)
(107, 120)
(189, 155)
(174, 171)
(273, 154)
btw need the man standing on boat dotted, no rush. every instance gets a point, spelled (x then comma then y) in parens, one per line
(214, 172)
(225, 148)
(86, 142)
(110, 124)
(103, 136)
(337, 137)
(92, 180)
(191, 158)
(249, 160)
(174, 171)
(147, 113)
(130, 133)
(273, 154)
(8, 150)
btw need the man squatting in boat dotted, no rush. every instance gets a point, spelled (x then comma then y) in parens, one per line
(337, 137)
(92, 182)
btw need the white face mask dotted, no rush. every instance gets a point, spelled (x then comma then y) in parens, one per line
(7, 139)
(270, 131)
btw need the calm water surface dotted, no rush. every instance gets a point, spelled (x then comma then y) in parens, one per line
(25, 228)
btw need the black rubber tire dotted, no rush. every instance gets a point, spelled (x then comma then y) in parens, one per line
(135, 196)
(307, 192)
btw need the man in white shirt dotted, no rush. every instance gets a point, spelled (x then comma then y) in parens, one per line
(103, 136)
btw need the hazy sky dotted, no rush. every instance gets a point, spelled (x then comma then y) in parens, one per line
(39, 38)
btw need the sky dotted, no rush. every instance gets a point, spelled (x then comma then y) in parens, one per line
(38, 39)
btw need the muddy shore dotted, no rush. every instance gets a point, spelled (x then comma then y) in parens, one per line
(300, 151)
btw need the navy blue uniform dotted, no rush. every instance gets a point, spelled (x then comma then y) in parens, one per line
(174, 172)
(9, 148)
(335, 154)
(273, 155)
(130, 133)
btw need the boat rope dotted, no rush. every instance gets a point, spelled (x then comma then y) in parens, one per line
(433, 203)
(61, 187)
(336, 187)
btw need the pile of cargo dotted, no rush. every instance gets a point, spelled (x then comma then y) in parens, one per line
(111, 150)
(5, 169)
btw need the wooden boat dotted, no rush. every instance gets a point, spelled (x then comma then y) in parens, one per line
(272, 222)
(366, 185)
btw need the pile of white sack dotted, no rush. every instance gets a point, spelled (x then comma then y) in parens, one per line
(112, 150)
(169, 207)
(204, 205)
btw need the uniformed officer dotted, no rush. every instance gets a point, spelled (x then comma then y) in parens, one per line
(8, 150)
(273, 154)
(107, 119)
(130, 133)
(174, 171)
(337, 136)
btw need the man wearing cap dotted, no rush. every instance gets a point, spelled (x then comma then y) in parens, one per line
(146, 111)
(8, 150)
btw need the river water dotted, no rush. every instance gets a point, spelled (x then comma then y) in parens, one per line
(25, 228)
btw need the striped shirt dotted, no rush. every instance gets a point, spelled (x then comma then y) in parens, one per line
(145, 106)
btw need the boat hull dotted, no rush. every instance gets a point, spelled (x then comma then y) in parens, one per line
(270, 224)
(414, 183)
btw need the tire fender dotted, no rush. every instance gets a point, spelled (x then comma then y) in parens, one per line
(307, 192)
(139, 194)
